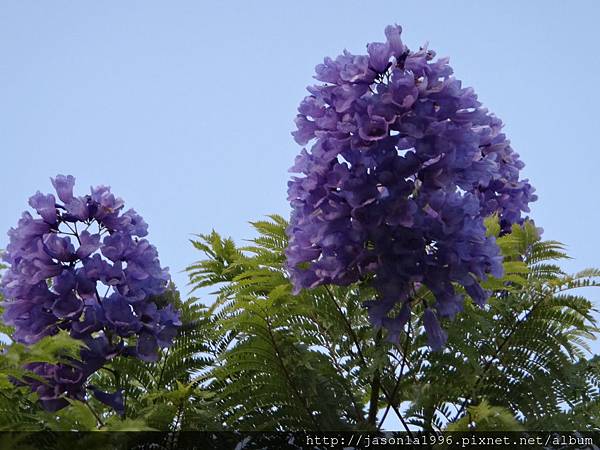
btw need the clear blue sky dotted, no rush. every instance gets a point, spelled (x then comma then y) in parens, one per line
(185, 108)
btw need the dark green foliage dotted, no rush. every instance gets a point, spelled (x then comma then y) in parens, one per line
(524, 351)
(282, 365)
(260, 358)
(162, 395)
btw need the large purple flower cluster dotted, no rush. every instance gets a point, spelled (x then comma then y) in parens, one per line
(404, 166)
(84, 267)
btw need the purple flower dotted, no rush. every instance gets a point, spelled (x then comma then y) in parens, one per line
(133, 223)
(68, 306)
(403, 165)
(169, 323)
(114, 400)
(65, 282)
(147, 347)
(64, 187)
(105, 203)
(93, 320)
(45, 205)
(81, 267)
(58, 247)
(117, 246)
(77, 209)
(88, 244)
(31, 325)
(65, 374)
(37, 264)
(436, 337)
(120, 315)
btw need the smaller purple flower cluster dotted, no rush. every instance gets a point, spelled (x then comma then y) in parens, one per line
(84, 267)
(403, 167)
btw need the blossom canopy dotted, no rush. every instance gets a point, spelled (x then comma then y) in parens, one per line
(403, 166)
(83, 266)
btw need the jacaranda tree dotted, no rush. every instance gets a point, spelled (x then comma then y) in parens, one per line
(407, 282)
(82, 267)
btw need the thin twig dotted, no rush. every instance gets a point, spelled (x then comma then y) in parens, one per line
(488, 365)
(375, 387)
(364, 361)
(288, 376)
(95, 414)
(398, 380)
(162, 370)
(334, 359)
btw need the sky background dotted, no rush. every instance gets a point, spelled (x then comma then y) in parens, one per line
(185, 108)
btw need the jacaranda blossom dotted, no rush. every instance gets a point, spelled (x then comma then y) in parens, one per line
(83, 265)
(404, 164)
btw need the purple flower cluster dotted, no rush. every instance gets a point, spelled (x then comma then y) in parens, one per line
(404, 165)
(84, 267)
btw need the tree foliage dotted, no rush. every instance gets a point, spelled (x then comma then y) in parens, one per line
(253, 356)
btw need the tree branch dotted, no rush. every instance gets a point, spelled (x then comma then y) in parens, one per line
(398, 380)
(375, 388)
(355, 339)
(288, 377)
